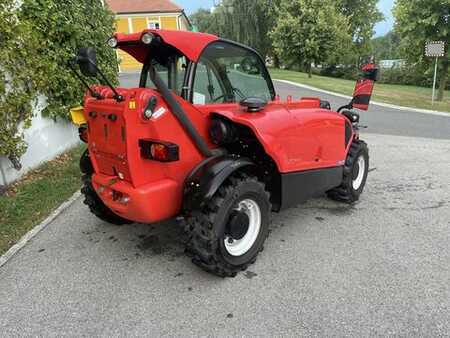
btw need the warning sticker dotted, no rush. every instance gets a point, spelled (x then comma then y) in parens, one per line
(157, 114)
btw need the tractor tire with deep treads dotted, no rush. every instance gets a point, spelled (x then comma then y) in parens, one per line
(218, 242)
(96, 205)
(356, 169)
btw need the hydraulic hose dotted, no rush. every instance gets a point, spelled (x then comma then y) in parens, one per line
(179, 113)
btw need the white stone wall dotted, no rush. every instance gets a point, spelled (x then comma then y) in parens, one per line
(46, 139)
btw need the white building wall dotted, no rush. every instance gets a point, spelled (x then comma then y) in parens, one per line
(46, 139)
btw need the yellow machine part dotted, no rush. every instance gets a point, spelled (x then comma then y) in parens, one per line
(77, 114)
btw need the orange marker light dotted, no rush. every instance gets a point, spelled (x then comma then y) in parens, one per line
(159, 151)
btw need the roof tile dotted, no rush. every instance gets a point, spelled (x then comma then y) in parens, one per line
(142, 6)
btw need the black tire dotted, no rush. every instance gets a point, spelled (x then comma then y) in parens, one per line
(96, 205)
(346, 192)
(207, 228)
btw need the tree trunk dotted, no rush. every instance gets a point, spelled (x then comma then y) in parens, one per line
(309, 70)
(443, 80)
(276, 61)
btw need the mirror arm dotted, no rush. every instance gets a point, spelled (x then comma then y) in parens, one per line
(93, 93)
(347, 106)
(117, 96)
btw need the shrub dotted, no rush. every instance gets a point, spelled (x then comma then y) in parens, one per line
(344, 72)
(37, 38)
(407, 75)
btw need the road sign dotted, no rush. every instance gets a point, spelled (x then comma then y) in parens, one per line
(435, 48)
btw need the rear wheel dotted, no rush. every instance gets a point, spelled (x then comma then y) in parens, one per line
(355, 174)
(96, 205)
(228, 233)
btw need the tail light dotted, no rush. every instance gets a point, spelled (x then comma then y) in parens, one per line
(159, 151)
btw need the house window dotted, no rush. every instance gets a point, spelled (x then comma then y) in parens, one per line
(153, 25)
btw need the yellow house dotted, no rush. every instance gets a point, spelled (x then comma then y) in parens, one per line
(137, 15)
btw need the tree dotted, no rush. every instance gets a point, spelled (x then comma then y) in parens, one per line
(419, 21)
(244, 21)
(310, 31)
(204, 21)
(362, 16)
(37, 39)
(386, 47)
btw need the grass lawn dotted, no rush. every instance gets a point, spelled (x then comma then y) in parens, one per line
(35, 196)
(408, 96)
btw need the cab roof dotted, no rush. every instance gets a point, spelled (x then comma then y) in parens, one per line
(189, 44)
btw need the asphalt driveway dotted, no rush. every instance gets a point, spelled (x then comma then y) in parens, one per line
(381, 267)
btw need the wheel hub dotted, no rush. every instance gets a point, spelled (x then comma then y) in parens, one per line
(243, 228)
(238, 225)
(355, 171)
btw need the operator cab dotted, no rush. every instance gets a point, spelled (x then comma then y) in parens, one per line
(225, 72)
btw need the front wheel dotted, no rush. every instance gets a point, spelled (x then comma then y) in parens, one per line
(355, 174)
(228, 233)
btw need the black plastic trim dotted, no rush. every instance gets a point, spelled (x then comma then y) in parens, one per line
(297, 187)
(361, 99)
(208, 176)
(348, 133)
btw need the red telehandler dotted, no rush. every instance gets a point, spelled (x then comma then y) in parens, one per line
(205, 137)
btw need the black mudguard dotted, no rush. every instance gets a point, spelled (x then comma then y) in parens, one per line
(208, 176)
(86, 164)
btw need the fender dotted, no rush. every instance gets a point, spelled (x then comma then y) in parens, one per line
(205, 179)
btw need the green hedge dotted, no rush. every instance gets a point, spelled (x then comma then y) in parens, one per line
(408, 75)
(36, 41)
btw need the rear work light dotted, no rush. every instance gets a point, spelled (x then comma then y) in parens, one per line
(112, 42)
(147, 38)
(159, 151)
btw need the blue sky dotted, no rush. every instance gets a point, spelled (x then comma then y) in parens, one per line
(382, 28)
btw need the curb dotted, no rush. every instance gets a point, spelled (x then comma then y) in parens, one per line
(37, 229)
(382, 104)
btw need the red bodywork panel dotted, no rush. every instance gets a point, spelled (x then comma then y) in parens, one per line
(297, 135)
(155, 187)
(188, 43)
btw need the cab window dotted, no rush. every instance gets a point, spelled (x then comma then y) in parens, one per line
(172, 72)
(228, 73)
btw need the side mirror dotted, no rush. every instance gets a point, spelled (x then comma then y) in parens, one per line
(364, 87)
(87, 60)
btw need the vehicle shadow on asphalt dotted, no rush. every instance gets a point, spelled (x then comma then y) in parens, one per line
(163, 243)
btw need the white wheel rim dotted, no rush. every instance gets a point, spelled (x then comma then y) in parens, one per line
(362, 168)
(241, 246)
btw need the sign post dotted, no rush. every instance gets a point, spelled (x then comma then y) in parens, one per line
(435, 49)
